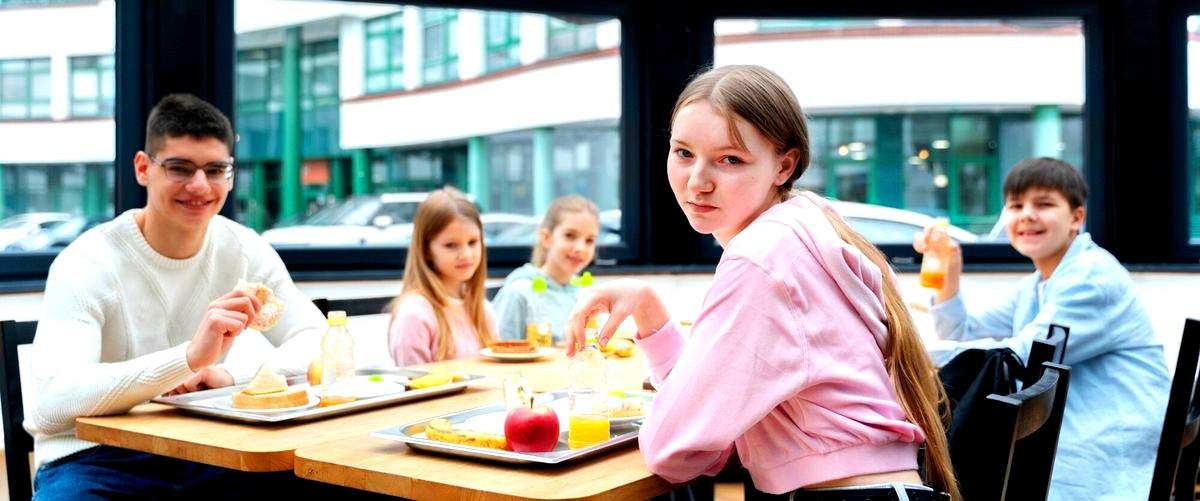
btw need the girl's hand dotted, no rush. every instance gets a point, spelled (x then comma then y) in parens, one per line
(620, 299)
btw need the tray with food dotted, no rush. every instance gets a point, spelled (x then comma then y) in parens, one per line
(544, 432)
(272, 398)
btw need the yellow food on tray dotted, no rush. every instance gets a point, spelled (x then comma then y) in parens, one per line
(623, 406)
(618, 346)
(269, 390)
(442, 431)
(430, 380)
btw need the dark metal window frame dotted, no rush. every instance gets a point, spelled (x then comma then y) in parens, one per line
(1135, 121)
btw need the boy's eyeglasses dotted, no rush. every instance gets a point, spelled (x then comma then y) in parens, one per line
(182, 171)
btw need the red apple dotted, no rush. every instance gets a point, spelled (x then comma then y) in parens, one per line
(531, 430)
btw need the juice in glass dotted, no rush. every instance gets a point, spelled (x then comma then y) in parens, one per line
(586, 430)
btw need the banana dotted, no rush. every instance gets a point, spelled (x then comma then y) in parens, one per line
(620, 347)
(442, 431)
(430, 380)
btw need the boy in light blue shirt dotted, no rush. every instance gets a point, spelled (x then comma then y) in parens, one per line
(1119, 380)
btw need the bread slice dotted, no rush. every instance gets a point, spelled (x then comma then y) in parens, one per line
(292, 397)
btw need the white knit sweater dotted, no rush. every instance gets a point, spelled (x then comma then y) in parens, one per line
(119, 317)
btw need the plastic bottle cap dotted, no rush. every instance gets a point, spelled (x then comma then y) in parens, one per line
(538, 284)
(585, 280)
(337, 317)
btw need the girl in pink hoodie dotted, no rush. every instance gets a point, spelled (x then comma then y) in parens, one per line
(803, 358)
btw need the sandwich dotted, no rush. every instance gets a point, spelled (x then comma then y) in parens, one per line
(269, 390)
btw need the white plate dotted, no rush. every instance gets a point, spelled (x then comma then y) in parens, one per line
(227, 403)
(542, 351)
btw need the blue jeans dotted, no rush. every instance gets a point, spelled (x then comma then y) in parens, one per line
(105, 472)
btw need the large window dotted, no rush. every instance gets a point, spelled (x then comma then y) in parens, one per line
(502, 39)
(385, 53)
(440, 49)
(913, 144)
(372, 140)
(56, 174)
(93, 86)
(25, 88)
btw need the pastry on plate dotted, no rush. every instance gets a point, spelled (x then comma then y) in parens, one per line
(513, 347)
(272, 307)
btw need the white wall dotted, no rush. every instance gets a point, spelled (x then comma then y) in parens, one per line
(921, 71)
(572, 92)
(470, 41)
(92, 140)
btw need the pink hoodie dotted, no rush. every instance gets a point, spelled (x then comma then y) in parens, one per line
(785, 363)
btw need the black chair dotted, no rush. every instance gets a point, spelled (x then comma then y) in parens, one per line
(1178, 449)
(1021, 451)
(322, 304)
(18, 445)
(1052, 349)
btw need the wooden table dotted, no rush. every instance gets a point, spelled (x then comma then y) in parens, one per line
(340, 451)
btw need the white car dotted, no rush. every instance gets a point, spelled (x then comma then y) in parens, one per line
(888, 225)
(384, 219)
(16, 227)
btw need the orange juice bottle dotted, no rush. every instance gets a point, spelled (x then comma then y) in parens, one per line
(588, 424)
(933, 263)
(538, 330)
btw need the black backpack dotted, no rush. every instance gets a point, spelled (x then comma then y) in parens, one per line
(969, 378)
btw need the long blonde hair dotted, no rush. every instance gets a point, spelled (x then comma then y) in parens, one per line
(554, 215)
(434, 215)
(763, 99)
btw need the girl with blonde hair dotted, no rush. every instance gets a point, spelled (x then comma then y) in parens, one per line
(803, 358)
(565, 245)
(441, 312)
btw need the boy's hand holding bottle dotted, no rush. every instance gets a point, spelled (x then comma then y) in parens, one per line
(941, 265)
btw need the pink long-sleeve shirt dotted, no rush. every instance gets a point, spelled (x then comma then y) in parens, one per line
(784, 363)
(412, 333)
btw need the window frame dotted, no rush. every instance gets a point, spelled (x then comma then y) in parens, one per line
(556, 26)
(104, 104)
(28, 101)
(510, 46)
(393, 30)
(447, 62)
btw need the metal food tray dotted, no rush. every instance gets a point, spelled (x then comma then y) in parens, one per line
(205, 402)
(413, 434)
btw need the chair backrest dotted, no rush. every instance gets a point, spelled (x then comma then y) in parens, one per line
(1027, 424)
(1052, 349)
(322, 304)
(17, 442)
(358, 306)
(1178, 450)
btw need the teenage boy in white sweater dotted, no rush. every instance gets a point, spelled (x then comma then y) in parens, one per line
(145, 305)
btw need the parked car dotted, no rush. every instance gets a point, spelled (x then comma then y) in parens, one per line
(383, 219)
(888, 225)
(16, 227)
(57, 236)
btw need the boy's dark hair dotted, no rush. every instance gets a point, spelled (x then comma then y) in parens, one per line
(1048, 173)
(179, 115)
